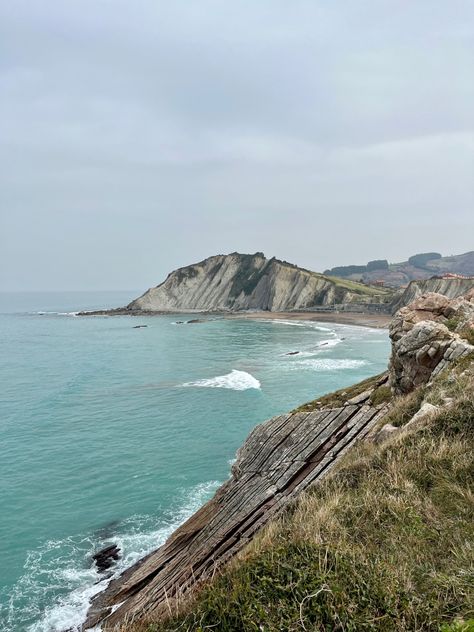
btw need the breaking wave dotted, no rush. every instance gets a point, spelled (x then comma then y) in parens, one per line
(235, 380)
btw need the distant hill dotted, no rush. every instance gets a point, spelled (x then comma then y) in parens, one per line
(237, 282)
(419, 266)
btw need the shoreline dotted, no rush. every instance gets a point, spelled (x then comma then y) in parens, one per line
(376, 321)
(359, 319)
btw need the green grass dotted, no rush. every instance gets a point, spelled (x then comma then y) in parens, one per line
(468, 334)
(359, 288)
(338, 398)
(459, 626)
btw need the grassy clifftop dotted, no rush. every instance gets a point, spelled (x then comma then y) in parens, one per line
(384, 543)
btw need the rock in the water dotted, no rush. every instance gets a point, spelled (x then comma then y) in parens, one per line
(106, 557)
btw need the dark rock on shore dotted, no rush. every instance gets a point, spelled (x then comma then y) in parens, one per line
(106, 557)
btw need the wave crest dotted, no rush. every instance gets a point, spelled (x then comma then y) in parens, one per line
(235, 380)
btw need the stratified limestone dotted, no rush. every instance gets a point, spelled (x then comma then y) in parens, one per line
(280, 459)
(237, 282)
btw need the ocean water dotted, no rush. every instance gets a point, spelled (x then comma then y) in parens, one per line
(115, 434)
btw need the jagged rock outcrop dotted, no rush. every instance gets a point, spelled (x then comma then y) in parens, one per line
(450, 288)
(249, 282)
(427, 335)
(280, 459)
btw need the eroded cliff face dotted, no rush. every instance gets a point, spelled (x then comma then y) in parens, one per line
(245, 282)
(450, 288)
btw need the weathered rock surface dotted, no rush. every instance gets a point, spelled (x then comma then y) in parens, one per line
(422, 344)
(248, 282)
(105, 558)
(280, 458)
(450, 288)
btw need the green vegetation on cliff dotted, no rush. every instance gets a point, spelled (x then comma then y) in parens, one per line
(385, 543)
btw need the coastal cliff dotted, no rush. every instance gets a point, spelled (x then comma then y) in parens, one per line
(449, 287)
(432, 355)
(239, 282)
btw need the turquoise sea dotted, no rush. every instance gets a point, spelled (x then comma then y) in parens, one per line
(116, 434)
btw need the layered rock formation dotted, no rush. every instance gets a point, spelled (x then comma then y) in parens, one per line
(451, 288)
(427, 335)
(249, 282)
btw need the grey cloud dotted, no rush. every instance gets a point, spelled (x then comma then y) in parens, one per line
(320, 132)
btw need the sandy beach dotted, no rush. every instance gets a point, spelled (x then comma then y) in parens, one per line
(379, 321)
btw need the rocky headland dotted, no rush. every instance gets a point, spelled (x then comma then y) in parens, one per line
(241, 282)
(429, 381)
(252, 284)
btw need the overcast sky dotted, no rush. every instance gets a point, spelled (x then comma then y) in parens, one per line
(137, 136)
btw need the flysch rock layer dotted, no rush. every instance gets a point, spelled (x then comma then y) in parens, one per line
(248, 282)
(280, 459)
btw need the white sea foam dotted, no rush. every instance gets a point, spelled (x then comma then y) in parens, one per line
(320, 346)
(320, 364)
(235, 380)
(297, 323)
(55, 313)
(61, 563)
(332, 342)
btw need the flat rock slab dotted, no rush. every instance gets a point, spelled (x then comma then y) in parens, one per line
(279, 460)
